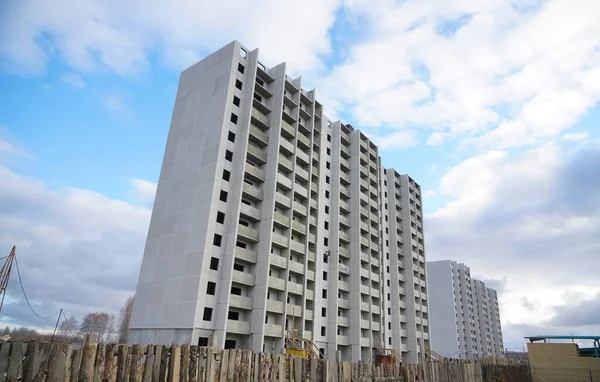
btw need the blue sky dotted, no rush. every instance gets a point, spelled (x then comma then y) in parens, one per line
(487, 105)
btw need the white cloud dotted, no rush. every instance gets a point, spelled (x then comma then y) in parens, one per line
(74, 80)
(395, 140)
(531, 219)
(498, 73)
(92, 242)
(144, 189)
(118, 103)
(429, 194)
(575, 136)
(9, 148)
(120, 36)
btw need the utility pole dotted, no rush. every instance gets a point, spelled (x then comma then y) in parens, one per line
(5, 274)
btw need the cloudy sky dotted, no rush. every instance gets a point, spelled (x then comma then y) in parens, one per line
(490, 105)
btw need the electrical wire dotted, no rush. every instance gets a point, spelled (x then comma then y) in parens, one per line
(25, 295)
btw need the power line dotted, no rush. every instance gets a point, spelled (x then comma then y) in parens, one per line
(25, 295)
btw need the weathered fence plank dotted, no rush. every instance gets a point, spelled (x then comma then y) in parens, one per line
(148, 364)
(88, 360)
(184, 375)
(57, 363)
(135, 369)
(193, 374)
(174, 364)
(99, 366)
(122, 356)
(164, 363)
(4, 357)
(75, 364)
(110, 374)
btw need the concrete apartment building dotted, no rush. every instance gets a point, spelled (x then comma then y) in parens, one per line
(466, 321)
(271, 218)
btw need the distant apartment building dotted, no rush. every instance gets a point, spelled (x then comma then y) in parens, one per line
(465, 315)
(271, 219)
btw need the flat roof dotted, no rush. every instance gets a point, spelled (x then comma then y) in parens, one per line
(542, 338)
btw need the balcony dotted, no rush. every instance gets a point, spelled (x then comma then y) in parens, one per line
(288, 101)
(364, 147)
(343, 303)
(275, 306)
(287, 130)
(254, 173)
(309, 294)
(344, 206)
(284, 202)
(246, 255)
(375, 277)
(344, 252)
(277, 283)
(365, 324)
(311, 256)
(342, 285)
(364, 289)
(375, 293)
(258, 137)
(240, 302)
(297, 247)
(343, 340)
(299, 227)
(288, 117)
(344, 164)
(295, 288)
(280, 241)
(310, 275)
(375, 326)
(364, 241)
(312, 238)
(274, 330)
(364, 257)
(364, 186)
(260, 106)
(256, 154)
(345, 151)
(344, 269)
(344, 191)
(364, 227)
(294, 310)
(343, 321)
(375, 309)
(286, 147)
(300, 208)
(251, 192)
(242, 278)
(238, 327)
(248, 233)
(301, 191)
(365, 306)
(305, 113)
(259, 119)
(249, 212)
(364, 212)
(344, 178)
(344, 221)
(302, 173)
(313, 204)
(281, 220)
(364, 273)
(344, 237)
(302, 158)
(284, 181)
(315, 171)
(345, 138)
(278, 261)
(285, 164)
(363, 159)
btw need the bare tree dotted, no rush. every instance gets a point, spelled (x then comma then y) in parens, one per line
(124, 319)
(96, 323)
(69, 327)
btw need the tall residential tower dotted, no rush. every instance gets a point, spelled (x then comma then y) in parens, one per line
(271, 219)
(466, 318)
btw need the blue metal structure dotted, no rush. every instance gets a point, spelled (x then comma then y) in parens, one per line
(595, 339)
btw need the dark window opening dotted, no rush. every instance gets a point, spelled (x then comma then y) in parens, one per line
(217, 240)
(210, 288)
(207, 316)
(214, 263)
(236, 101)
(238, 84)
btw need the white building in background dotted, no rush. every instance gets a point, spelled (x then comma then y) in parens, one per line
(465, 315)
(269, 217)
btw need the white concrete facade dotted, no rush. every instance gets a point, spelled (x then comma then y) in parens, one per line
(466, 317)
(270, 217)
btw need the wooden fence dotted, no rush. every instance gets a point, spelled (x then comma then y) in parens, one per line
(35, 361)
